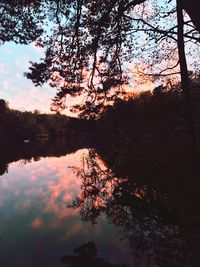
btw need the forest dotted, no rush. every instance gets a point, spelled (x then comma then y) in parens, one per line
(131, 69)
(96, 56)
(17, 126)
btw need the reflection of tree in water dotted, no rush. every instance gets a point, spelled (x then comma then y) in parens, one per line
(86, 256)
(155, 231)
(25, 153)
(97, 187)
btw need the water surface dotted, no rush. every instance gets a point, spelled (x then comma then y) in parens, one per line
(36, 227)
(57, 197)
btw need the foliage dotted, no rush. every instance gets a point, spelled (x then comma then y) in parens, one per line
(17, 125)
(95, 192)
(148, 211)
(88, 53)
(3, 106)
(86, 255)
(156, 118)
(20, 21)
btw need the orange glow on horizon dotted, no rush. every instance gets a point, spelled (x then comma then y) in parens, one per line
(141, 82)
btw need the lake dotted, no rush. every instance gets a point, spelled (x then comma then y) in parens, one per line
(55, 200)
(36, 227)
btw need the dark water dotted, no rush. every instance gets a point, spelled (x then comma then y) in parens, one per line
(36, 227)
(56, 197)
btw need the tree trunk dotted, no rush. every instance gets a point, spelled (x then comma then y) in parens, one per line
(193, 10)
(185, 80)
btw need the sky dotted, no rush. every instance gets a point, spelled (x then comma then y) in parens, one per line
(22, 94)
(17, 89)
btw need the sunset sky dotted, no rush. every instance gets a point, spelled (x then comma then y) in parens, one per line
(20, 92)
(14, 87)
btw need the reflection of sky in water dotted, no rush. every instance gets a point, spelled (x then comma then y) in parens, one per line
(36, 228)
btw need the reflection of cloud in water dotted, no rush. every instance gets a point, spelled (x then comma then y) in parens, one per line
(37, 223)
(33, 199)
(73, 231)
(47, 185)
(1, 201)
(23, 206)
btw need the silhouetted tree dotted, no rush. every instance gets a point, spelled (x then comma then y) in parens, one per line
(192, 10)
(92, 62)
(21, 21)
(86, 255)
(16, 125)
(86, 52)
(185, 78)
(156, 234)
(3, 106)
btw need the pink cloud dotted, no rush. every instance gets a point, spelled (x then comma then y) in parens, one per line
(74, 230)
(37, 223)
(53, 192)
(6, 84)
(23, 206)
(36, 98)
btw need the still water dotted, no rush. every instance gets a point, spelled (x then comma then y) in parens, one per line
(37, 228)
(60, 203)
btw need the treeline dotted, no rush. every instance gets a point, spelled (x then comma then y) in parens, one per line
(57, 147)
(17, 125)
(147, 143)
(152, 118)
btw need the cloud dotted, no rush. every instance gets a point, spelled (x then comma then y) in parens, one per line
(35, 99)
(14, 86)
(47, 185)
(74, 231)
(37, 223)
